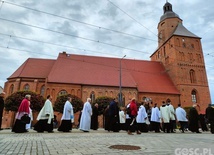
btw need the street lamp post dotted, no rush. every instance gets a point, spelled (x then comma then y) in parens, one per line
(120, 87)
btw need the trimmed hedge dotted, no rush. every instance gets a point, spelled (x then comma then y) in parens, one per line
(103, 102)
(76, 102)
(13, 101)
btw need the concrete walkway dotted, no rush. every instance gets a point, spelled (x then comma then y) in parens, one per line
(98, 143)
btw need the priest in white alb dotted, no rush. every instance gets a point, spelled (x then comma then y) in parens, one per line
(45, 117)
(85, 121)
(67, 117)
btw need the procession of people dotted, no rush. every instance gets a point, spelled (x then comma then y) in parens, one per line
(134, 117)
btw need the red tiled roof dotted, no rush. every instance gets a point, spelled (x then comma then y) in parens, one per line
(150, 76)
(146, 76)
(34, 68)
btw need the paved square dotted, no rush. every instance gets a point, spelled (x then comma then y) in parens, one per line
(98, 143)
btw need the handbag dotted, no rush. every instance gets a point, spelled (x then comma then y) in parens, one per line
(25, 119)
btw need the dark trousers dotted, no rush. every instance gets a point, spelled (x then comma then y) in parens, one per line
(1, 113)
(166, 127)
(212, 126)
(113, 123)
(172, 125)
(133, 126)
(156, 126)
(183, 125)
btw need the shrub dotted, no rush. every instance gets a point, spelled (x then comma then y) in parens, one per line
(187, 109)
(76, 102)
(13, 101)
(103, 102)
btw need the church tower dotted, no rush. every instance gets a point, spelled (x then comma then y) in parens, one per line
(181, 53)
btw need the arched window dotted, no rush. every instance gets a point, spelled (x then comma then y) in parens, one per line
(194, 96)
(92, 96)
(192, 46)
(53, 93)
(192, 76)
(42, 90)
(48, 91)
(168, 101)
(79, 93)
(111, 93)
(72, 92)
(159, 55)
(184, 44)
(180, 55)
(26, 87)
(106, 93)
(62, 92)
(144, 99)
(11, 89)
(199, 59)
(183, 57)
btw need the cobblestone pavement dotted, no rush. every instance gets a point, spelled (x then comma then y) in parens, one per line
(98, 143)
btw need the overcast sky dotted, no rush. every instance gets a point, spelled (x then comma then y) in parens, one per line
(112, 28)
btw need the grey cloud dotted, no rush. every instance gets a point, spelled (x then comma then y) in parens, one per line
(109, 13)
(197, 17)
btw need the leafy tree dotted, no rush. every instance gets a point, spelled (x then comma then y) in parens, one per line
(77, 103)
(13, 101)
(103, 102)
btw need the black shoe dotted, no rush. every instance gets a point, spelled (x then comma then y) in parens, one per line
(1, 129)
(198, 132)
(50, 131)
(66, 131)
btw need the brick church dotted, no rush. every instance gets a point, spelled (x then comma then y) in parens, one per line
(176, 71)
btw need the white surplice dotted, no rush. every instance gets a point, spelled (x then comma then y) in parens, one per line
(155, 116)
(85, 121)
(122, 117)
(46, 112)
(165, 113)
(181, 114)
(141, 115)
(68, 113)
(172, 112)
